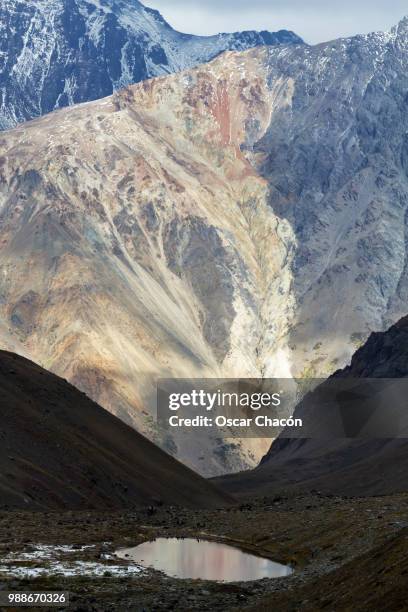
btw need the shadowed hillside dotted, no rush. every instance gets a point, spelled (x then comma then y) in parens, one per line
(357, 467)
(60, 450)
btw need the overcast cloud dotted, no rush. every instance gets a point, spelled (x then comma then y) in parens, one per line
(314, 20)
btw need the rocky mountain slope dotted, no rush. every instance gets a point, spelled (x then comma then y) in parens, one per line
(243, 218)
(360, 466)
(60, 450)
(55, 53)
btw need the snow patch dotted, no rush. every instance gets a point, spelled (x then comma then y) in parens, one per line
(46, 560)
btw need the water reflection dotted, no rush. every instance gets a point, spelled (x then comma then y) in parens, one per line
(188, 558)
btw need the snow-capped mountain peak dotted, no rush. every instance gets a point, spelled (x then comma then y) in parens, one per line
(55, 53)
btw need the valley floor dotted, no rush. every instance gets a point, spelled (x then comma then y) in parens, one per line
(349, 554)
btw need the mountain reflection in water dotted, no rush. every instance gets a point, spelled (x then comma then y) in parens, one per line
(201, 559)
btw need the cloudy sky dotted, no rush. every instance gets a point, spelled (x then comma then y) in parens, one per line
(314, 20)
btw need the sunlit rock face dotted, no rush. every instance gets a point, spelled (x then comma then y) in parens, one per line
(55, 53)
(244, 218)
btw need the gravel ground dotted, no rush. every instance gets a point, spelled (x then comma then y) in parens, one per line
(348, 554)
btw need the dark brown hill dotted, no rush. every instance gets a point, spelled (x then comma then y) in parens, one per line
(60, 450)
(363, 466)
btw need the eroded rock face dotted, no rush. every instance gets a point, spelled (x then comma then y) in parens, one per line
(55, 53)
(244, 218)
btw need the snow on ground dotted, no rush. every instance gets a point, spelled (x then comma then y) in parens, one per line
(47, 560)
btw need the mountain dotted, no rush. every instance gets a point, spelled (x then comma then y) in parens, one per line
(60, 450)
(361, 466)
(55, 53)
(245, 218)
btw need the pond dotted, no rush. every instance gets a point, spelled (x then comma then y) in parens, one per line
(191, 559)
